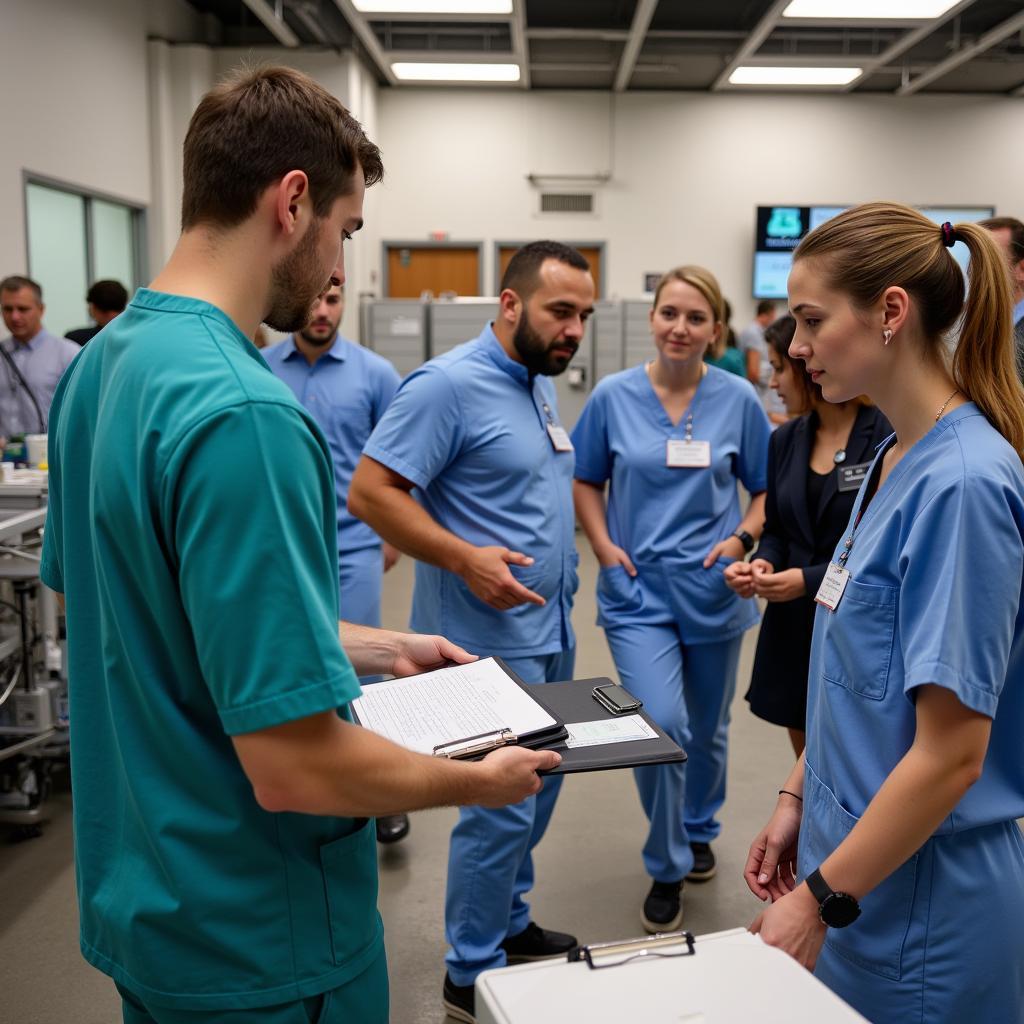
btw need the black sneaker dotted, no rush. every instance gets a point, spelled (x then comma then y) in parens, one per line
(703, 863)
(663, 908)
(392, 827)
(459, 1000)
(536, 943)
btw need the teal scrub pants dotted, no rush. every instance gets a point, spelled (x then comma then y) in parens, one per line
(363, 999)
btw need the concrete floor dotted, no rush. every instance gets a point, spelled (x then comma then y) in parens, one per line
(590, 876)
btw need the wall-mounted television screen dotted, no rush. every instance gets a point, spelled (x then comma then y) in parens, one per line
(780, 228)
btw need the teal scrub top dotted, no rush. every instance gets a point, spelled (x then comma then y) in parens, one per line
(192, 529)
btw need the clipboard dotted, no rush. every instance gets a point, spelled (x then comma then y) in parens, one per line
(472, 747)
(571, 701)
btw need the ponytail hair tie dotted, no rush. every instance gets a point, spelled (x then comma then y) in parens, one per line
(948, 235)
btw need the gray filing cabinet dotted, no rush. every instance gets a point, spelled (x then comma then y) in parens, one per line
(451, 322)
(637, 346)
(397, 330)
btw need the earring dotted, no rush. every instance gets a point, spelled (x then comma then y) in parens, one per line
(887, 335)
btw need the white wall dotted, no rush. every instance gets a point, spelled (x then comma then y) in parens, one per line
(75, 105)
(687, 169)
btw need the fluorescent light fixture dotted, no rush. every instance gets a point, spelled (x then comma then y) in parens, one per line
(438, 72)
(880, 10)
(433, 6)
(793, 76)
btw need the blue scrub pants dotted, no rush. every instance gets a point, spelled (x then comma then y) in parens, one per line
(490, 867)
(359, 586)
(688, 690)
(363, 999)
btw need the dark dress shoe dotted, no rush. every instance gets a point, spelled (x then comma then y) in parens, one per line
(392, 827)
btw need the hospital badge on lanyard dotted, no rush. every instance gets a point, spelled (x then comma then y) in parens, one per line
(558, 435)
(687, 454)
(830, 593)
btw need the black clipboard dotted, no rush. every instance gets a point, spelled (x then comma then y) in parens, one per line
(574, 701)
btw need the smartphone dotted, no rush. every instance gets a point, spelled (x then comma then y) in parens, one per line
(617, 699)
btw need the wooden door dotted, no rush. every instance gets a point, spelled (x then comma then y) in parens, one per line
(413, 270)
(591, 253)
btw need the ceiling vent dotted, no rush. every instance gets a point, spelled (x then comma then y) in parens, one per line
(567, 202)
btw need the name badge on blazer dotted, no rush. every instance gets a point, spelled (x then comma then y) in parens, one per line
(851, 477)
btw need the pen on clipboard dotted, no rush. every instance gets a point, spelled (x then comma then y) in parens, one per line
(470, 746)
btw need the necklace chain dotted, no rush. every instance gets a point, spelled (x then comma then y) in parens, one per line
(942, 408)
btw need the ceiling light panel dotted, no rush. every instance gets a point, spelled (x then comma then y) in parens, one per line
(433, 6)
(876, 10)
(793, 76)
(443, 72)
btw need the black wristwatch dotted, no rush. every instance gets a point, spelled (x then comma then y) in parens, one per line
(746, 540)
(836, 909)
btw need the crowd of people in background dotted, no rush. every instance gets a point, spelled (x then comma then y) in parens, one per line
(880, 482)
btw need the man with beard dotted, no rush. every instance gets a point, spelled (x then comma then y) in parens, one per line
(476, 431)
(226, 868)
(346, 389)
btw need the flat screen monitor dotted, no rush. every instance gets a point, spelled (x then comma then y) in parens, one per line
(780, 228)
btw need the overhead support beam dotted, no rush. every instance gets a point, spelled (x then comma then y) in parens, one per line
(305, 14)
(1018, 92)
(985, 42)
(368, 38)
(604, 35)
(905, 43)
(520, 46)
(637, 33)
(762, 30)
(273, 22)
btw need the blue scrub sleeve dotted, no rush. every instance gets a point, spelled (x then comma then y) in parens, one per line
(422, 431)
(961, 569)
(590, 439)
(773, 546)
(753, 455)
(249, 512)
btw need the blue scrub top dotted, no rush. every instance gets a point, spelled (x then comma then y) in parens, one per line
(468, 429)
(934, 597)
(346, 390)
(192, 526)
(668, 519)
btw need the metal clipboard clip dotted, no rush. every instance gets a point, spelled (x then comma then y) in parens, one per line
(618, 953)
(470, 746)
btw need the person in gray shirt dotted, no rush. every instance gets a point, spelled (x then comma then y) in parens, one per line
(32, 360)
(759, 368)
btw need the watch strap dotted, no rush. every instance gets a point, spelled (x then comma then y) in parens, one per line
(820, 889)
(745, 539)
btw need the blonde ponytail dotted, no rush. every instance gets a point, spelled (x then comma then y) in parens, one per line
(984, 364)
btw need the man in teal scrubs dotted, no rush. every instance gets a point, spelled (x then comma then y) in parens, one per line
(226, 866)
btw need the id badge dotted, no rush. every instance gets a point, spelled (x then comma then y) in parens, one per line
(559, 438)
(851, 477)
(687, 454)
(830, 593)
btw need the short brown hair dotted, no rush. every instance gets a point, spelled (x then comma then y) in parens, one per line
(256, 126)
(1016, 229)
(522, 275)
(16, 282)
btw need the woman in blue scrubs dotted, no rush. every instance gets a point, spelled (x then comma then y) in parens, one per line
(672, 438)
(904, 806)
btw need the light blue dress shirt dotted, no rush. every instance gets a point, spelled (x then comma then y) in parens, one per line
(1018, 312)
(42, 361)
(934, 597)
(469, 430)
(346, 390)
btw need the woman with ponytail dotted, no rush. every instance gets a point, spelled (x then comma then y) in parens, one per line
(907, 895)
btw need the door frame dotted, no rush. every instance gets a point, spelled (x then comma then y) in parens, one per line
(389, 243)
(601, 247)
